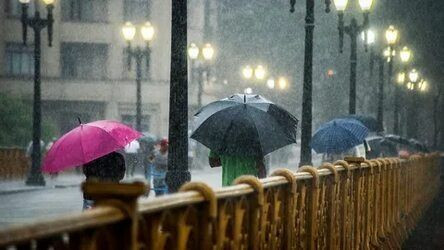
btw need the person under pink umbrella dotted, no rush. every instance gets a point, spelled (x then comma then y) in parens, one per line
(92, 145)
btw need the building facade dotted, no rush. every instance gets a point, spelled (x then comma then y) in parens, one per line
(85, 73)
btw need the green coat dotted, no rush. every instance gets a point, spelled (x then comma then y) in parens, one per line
(235, 166)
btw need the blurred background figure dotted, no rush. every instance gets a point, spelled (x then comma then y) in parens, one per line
(131, 157)
(160, 168)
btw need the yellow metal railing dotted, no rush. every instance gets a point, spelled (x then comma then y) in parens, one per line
(373, 204)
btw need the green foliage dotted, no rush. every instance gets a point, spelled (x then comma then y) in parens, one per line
(16, 122)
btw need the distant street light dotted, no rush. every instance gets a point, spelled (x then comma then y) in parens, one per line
(401, 78)
(271, 83)
(37, 24)
(248, 91)
(282, 83)
(353, 30)
(259, 72)
(413, 76)
(200, 65)
(247, 72)
(138, 53)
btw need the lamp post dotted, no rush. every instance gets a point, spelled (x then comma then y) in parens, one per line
(379, 58)
(178, 173)
(307, 89)
(138, 53)
(391, 35)
(37, 24)
(201, 66)
(353, 30)
(405, 55)
(415, 83)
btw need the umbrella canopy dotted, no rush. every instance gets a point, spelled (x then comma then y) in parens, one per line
(245, 125)
(86, 143)
(397, 139)
(368, 121)
(338, 136)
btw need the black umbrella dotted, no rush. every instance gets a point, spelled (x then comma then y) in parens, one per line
(368, 121)
(245, 125)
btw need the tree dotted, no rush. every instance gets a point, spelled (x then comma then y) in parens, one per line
(16, 122)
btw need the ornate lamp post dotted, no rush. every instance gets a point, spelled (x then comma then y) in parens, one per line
(414, 84)
(307, 89)
(37, 24)
(379, 58)
(391, 35)
(353, 30)
(201, 67)
(138, 53)
(405, 55)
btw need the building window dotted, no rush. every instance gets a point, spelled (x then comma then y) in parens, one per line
(13, 8)
(85, 10)
(84, 60)
(19, 60)
(136, 11)
(130, 120)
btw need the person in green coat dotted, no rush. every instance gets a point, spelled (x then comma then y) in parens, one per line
(234, 166)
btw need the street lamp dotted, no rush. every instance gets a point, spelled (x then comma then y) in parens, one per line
(414, 84)
(201, 65)
(391, 36)
(307, 88)
(413, 76)
(247, 72)
(352, 30)
(37, 24)
(138, 53)
(271, 83)
(400, 79)
(379, 56)
(282, 83)
(257, 73)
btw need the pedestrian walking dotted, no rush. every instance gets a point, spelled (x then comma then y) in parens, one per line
(234, 166)
(160, 168)
(146, 153)
(108, 168)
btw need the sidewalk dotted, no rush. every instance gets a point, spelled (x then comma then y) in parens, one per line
(61, 181)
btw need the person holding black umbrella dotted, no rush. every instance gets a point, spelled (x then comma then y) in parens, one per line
(240, 131)
(234, 166)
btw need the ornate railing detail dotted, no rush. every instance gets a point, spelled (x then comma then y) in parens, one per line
(345, 205)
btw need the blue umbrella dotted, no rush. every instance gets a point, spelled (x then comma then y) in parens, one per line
(338, 136)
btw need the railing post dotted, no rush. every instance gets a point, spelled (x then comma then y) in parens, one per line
(123, 197)
(208, 217)
(332, 206)
(256, 214)
(289, 206)
(312, 207)
(344, 193)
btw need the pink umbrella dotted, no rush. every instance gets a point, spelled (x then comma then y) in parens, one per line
(88, 142)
